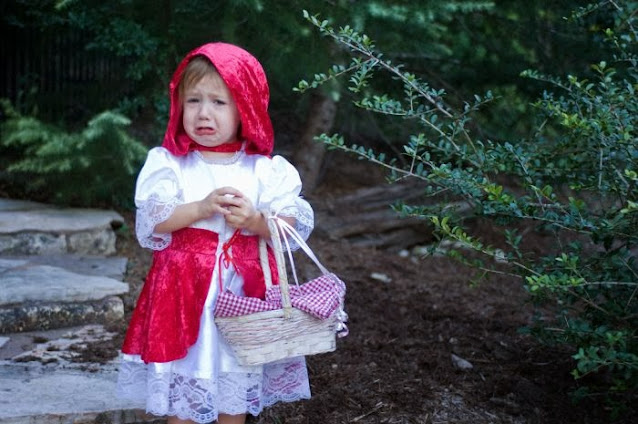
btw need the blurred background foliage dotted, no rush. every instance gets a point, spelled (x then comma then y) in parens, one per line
(466, 47)
(131, 48)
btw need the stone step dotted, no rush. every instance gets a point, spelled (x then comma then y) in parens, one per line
(60, 345)
(58, 284)
(34, 229)
(50, 394)
(37, 296)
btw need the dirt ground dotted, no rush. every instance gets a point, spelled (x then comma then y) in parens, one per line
(397, 366)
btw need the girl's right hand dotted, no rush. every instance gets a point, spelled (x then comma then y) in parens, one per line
(217, 202)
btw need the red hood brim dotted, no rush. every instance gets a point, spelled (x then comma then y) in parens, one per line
(246, 81)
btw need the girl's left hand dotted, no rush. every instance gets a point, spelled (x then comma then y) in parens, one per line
(243, 214)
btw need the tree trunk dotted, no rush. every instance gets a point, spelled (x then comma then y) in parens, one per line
(309, 154)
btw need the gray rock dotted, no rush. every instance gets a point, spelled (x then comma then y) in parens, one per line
(40, 297)
(98, 241)
(57, 220)
(112, 266)
(461, 363)
(21, 281)
(30, 243)
(32, 317)
(19, 343)
(50, 394)
(65, 282)
(7, 205)
(66, 347)
(34, 229)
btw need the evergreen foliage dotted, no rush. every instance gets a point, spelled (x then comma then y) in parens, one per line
(94, 167)
(574, 180)
(447, 41)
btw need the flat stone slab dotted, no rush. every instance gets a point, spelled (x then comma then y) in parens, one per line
(50, 394)
(23, 281)
(41, 297)
(31, 317)
(57, 220)
(8, 205)
(33, 229)
(61, 346)
(102, 266)
(18, 343)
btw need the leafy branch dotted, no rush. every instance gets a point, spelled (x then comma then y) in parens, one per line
(575, 180)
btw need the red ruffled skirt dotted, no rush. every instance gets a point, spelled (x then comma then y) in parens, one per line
(166, 319)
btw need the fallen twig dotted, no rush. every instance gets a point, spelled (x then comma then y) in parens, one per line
(375, 409)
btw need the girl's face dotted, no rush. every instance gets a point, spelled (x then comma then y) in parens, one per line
(210, 115)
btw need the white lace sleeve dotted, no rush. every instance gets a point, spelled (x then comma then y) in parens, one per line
(157, 193)
(280, 195)
(304, 217)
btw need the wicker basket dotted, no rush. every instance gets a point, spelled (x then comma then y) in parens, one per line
(269, 336)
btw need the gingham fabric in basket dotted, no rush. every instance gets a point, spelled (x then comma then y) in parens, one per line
(319, 297)
(230, 305)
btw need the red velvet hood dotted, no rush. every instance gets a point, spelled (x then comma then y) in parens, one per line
(246, 81)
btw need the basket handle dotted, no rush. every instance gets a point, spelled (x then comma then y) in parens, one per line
(281, 230)
(281, 266)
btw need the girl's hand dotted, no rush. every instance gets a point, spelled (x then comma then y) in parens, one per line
(217, 202)
(243, 215)
(229, 202)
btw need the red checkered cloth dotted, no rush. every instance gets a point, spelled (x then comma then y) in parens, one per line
(320, 298)
(230, 305)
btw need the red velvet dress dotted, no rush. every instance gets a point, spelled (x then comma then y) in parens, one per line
(177, 286)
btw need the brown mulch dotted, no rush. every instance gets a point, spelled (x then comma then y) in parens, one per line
(396, 365)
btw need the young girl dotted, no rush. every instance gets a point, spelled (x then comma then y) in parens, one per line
(202, 201)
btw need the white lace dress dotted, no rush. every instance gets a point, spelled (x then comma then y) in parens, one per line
(209, 381)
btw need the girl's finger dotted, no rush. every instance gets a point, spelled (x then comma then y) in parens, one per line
(229, 191)
(230, 201)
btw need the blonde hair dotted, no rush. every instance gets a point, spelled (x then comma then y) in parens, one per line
(198, 68)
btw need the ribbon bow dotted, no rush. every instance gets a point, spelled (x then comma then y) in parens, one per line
(226, 258)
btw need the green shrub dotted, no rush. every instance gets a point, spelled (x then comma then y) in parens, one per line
(94, 167)
(575, 181)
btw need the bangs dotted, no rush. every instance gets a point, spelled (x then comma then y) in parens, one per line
(198, 68)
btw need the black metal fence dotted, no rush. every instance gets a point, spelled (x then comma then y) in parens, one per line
(53, 76)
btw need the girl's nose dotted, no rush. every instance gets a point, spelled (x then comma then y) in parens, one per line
(206, 110)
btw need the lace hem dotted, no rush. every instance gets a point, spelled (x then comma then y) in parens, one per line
(148, 215)
(202, 400)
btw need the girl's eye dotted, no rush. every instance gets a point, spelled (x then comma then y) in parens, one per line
(220, 102)
(192, 100)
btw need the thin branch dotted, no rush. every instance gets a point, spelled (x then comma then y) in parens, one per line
(610, 283)
(527, 177)
(600, 167)
(354, 46)
(589, 302)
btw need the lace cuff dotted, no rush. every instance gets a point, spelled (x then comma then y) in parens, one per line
(302, 213)
(150, 213)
